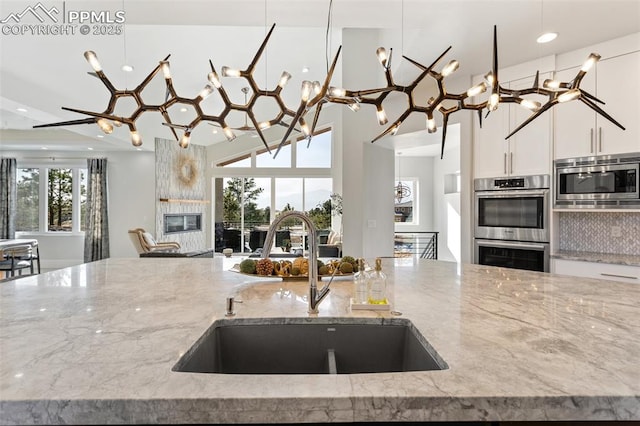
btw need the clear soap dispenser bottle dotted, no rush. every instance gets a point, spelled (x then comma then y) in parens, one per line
(377, 285)
(360, 283)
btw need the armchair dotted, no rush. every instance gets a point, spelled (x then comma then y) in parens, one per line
(145, 243)
(333, 246)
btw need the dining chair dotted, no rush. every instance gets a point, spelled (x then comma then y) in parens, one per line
(16, 258)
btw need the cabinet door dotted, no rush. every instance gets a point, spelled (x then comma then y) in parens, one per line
(619, 86)
(603, 271)
(490, 147)
(529, 149)
(575, 126)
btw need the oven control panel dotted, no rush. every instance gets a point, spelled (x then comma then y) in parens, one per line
(509, 183)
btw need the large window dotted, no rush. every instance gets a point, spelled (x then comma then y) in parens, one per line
(314, 153)
(250, 204)
(303, 154)
(51, 199)
(253, 188)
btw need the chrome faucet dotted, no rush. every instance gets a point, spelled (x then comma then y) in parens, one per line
(315, 295)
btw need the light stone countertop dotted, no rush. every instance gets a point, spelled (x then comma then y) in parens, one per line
(96, 343)
(586, 256)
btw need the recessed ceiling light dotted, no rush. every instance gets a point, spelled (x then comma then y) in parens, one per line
(127, 68)
(138, 149)
(22, 109)
(215, 131)
(547, 37)
(90, 149)
(305, 69)
(100, 136)
(183, 109)
(44, 147)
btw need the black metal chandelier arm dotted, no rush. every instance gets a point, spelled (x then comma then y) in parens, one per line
(299, 113)
(591, 97)
(433, 64)
(316, 117)
(396, 124)
(445, 121)
(150, 77)
(167, 121)
(600, 111)
(532, 117)
(67, 123)
(97, 115)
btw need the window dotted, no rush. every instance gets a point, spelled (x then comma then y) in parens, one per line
(264, 159)
(316, 153)
(59, 199)
(28, 184)
(406, 208)
(301, 154)
(247, 201)
(51, 199)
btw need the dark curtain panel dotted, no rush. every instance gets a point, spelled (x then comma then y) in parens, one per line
(96, 236)
(8, 197)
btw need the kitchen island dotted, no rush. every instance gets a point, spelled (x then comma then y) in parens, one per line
(96, 343)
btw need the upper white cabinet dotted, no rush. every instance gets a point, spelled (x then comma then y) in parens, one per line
(530, 148)
(490, 148)
(580, 131)
(525, 153)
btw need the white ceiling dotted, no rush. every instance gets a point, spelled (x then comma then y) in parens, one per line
(43, 73)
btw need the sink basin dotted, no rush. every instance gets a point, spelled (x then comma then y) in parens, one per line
(310, 346)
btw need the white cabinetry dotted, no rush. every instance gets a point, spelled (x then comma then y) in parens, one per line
(605, 271)
(525, 153)
(580, 131)
(530, 148)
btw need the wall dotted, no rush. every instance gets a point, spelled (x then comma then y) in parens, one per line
(181, 176)
(131, 202)
(447, 212)
(378, 213)
(367, 212)
(592, 232)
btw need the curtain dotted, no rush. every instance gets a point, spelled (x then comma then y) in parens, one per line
(96, 236)
(8, 197)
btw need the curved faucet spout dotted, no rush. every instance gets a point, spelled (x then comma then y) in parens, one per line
(315, 295)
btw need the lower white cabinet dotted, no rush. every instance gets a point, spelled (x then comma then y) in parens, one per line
(604, 271)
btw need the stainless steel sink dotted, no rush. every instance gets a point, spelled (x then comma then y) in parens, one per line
(310, 346)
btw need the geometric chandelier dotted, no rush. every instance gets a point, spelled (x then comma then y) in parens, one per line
(315, 95)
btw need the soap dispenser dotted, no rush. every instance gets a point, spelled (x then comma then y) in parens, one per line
(360, 283)
(377, 285)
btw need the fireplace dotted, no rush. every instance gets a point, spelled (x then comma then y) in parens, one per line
(188, 222)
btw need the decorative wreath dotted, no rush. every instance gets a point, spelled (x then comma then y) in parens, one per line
(187, 170)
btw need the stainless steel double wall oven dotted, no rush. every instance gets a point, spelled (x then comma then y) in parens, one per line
(512, 222)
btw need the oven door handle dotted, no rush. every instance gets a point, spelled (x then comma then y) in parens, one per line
(506, 244)
(511, 193)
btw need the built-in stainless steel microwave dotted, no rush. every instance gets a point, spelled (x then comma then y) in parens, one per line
(610, 181)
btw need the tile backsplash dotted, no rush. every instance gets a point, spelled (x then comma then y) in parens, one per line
(592, 232)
